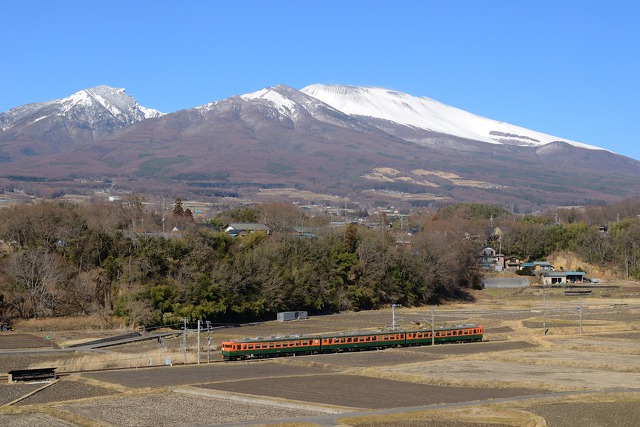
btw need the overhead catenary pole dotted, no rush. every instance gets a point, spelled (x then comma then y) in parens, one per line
(393, 316)
(184, 338)
(544, 311)
(433, 327)
(198, 341)
(580, 314)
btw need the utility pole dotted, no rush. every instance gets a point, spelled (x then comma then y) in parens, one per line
(393, 316)
(433, 325)
(184, 338)
(198, 341)
(544, 311)
(163, 214)
(208, 342)
(580, 314)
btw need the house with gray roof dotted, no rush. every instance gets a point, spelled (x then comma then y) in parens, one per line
(244, 228)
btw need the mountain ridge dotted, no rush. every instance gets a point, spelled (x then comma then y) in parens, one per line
(281, 137)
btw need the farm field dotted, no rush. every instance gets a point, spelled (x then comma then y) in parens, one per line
(583, 371)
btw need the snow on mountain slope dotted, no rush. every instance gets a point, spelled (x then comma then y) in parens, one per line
(428, 114)
(293, 104)
(285, 103)
(88, 105)
(282, 103)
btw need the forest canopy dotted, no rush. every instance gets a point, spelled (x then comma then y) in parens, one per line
(60, 259)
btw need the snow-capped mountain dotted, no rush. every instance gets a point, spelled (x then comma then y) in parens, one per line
(427, 114)
(93, 113)
(321, 142)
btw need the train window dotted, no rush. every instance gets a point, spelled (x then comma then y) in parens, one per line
(271, 345)
(305, 343)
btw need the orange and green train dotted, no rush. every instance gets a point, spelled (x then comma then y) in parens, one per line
(252, 348)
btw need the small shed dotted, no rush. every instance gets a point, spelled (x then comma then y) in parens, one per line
(38, 374)
(285, 316)
(554, 278)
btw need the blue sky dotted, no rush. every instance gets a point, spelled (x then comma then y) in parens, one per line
(566, 68)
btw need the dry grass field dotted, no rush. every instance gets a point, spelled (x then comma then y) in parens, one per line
(584, 371)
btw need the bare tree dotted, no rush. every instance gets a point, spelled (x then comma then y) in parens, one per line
(37, 274)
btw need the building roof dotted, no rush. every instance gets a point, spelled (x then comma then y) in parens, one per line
(246, 226)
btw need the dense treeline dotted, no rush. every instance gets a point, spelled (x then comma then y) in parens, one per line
(63, 259)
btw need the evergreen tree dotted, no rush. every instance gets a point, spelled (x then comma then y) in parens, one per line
(178, 210)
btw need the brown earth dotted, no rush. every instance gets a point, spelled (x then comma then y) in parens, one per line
(518, 376)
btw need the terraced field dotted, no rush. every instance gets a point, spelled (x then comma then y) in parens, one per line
(519, 376)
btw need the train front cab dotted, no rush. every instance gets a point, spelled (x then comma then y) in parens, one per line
(465, 334)
(233, 350)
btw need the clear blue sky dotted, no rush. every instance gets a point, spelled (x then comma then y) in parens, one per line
(566, 68)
